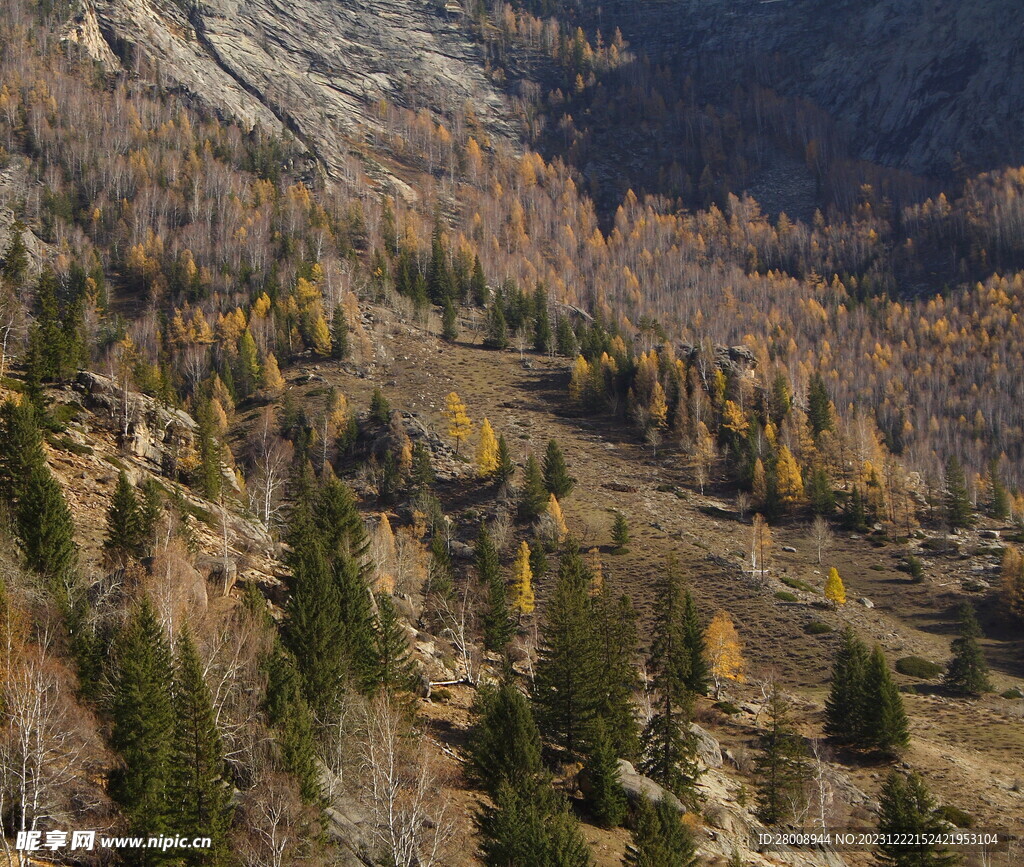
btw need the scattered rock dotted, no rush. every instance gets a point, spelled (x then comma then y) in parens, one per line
(789, 549)
(867, 603)
(709, 751)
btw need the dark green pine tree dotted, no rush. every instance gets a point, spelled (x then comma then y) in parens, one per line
(497, 327)
(142, 710)
(422, 475)
(200, 791)
(956, 498)
(660, 839)
(844, 706)
(542, 336)
(886, 727)
(669, 748)
(620, 532)
(506, 468)
(478, 283)
(999, 498)
(46, 531)
(21, 447)
(820, 496)
(396, 670)
(124, 522)
(819, 406)
(380, 409)
(441, 572)
(313, 629)
(360, 643)
(504, 744)
(906, 808)
(530, 825)
(210, 453)
(497, 621)
(339, 334)
(439, 277)
(288, 712)
(150, 510)
(618, 681)
(557, 480)
(565, 338)
(449, 321)
(967, 672)
(693, 637)
(15, 261)
(781, 764)
(533, 496)
(566, 687)
(605, 796)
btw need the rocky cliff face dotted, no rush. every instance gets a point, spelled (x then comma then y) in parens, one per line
(317, 67)
(910, 82)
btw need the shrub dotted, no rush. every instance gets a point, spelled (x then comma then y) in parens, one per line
(1012, 693)
(726, 707)
(817, 627)
(786, 596)
(955, 816)
(916, 666)
(797, 584)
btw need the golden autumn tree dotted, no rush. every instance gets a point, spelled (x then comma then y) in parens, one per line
(459, 424)
(1012, 590)
(658, 410)
(559, 530)
(704, 454)
(723, 650)
(486, 451)
(579, 379)
(788, 479)
(759, 485)
(835, 592)
(523, 600)
(272, 379)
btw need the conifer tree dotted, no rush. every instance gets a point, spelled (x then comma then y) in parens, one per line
(835, 592)
(523, 600)
(487, 451)
(999, 498)
(693, 640)
(620, 532)
(143, 723)
(1012, 589)
(606, 797)
(819, 406)
(533, 497)
(967, 672)
(557, 480)
(396, 670)
(844, 707)
(380, 409)
(565, 689)
(616, 634)
(504, 744)
(124, 521)
(150, 510)
(819, 491)
(531, 825)
(669, 747)
(440, 573)
(46, 531)
(339, 334)
(788, 481)
(200, 791)
(565, 337)
(498, 626)
(660, 839)
(422, 474)
(449, 321)
(956, 499)
(781, 765)
(505, 469)
(459, 424)
(289, 713)
(478, 283)
(542, 337)
(908, 823)
(559, 529)
(886, 727)
(497, 326)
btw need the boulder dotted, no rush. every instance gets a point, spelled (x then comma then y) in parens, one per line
(635, 785)
(709, 751)
(867, 603)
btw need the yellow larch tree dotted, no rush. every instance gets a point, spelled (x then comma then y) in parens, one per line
(658, 410)
(459, 424)
(559, 528)
(579, 379)
(523, 600)
(788, 479)
(835, 592)
(723, 650)
(487, 450)
(1013, 582)
(272, 379)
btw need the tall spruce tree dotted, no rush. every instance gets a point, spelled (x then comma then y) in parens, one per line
(498, 625)
(605, 796)
(557, 480)
(844, 707)
(505, 745)
(620, 532)
(660, 839)
(908, 823)
(781, 765)
(693, 638)
(200, 791)
(542, 336)
(506, 468)
(669, 747)
(819, 406)
(339, 334)
(886, 727)
(142, 710)
(396, 670)
(956, 498)
(124, 522)
(565, 689)
(533, 496)
(288, 712)
(618, 681)
(967, 672)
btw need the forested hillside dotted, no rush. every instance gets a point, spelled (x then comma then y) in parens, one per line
(449, 460)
